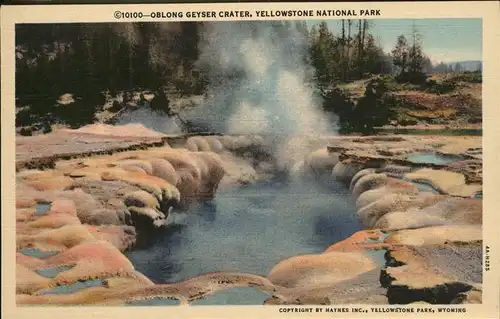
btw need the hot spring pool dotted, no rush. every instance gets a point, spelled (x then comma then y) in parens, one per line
(434, 158)
(249, 229)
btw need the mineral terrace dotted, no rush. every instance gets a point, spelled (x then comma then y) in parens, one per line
(85, 196)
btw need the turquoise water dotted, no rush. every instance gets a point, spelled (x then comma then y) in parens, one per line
(68, 289)
(35, 252)
(52, 272)
(249, 229)
(154, 302)
(42, 209)
(378, 255)
(234, 296)
(424, 187)
(433, 158)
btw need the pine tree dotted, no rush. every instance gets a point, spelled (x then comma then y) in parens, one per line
(416, 59)
(364, 29)
(323, 48)
(427, 66)
(343, 57)
(400, 54)
(348, 62)
(409, 58)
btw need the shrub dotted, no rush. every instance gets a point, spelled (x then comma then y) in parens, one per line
(79, 113)
(417, 78)
(441, 87)
(339, 102)
(161, 102)
(371, 110)
(470, 77)
(390, 83)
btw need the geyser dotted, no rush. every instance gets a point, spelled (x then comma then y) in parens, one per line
(259, 81)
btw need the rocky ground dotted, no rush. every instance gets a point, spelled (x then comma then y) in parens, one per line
(108, 113)
(444, 101)
(85, 196)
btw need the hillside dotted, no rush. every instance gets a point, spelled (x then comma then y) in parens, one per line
(470, 66)
(445, 100)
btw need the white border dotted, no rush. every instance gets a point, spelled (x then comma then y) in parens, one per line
(10, 15)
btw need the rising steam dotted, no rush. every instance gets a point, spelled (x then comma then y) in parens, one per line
(259, 81)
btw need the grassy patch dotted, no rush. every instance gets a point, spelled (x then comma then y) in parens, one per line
(470, 77)
(401, 117)
(441, 87)
(441, 99)
(431, 114)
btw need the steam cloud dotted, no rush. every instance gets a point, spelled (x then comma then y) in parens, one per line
(259, 81)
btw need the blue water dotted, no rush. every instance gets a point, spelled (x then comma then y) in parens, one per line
(154, 302)
(52, 272)
(35, 252)
(433, 158)
(249, 229)
(234, 296)
(42, 209)
(378, 255)
(69, 289)
(425, 187)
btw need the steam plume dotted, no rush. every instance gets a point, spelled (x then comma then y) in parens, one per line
(260, 82)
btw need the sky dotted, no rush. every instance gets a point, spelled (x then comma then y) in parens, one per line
(444, 40)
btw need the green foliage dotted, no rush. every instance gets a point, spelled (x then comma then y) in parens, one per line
(346, 56)
(404, 119)
(85, 59)
(390, 83)
(411, 77)
(161, 102)
(410, 60)
(470, 77)
(393, 84)
(373, 109)
(441, 87)
(451, 83)
(76, 114)
(323, 52)
(400, 53)
(339, 102)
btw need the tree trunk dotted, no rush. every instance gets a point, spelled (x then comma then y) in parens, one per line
(362, 49)
(342, 51)
(360, 46)
(349, 24)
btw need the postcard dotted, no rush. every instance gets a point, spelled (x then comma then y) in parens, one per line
(261, 160)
